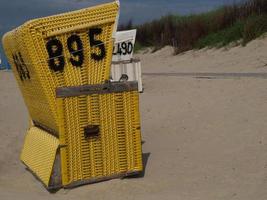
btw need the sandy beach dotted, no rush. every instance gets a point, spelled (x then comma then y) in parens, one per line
(205, 138)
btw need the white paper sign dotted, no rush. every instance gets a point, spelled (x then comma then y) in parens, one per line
(124, 45)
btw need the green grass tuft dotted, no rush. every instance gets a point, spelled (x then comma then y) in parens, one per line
(255, 26)
(223, 37)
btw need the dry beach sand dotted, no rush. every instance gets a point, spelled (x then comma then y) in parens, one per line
(205, 136)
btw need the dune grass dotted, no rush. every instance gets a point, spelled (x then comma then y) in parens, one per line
(243, 22)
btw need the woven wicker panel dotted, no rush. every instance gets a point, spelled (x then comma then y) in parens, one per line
(116, 149)
(39, 152)
(64, 50)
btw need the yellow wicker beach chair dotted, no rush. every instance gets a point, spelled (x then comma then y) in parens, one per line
(84, 128)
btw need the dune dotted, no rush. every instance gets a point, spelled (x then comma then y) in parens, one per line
(251, 58)
(204, 137)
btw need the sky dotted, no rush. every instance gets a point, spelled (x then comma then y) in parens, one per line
(15, 12)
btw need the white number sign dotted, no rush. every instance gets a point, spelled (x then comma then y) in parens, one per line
(124, 45)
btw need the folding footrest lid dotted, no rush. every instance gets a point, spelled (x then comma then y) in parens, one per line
(39, 153)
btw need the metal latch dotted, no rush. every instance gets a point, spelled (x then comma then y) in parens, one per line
(91, 131)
